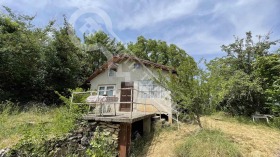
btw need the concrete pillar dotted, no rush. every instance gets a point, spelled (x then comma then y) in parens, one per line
(124, 139)
(170, 118)
(147, 125)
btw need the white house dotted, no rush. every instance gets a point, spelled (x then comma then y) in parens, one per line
(131, 80)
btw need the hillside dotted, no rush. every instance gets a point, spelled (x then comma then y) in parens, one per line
(252, 140)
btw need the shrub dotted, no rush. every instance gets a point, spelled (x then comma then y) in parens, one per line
(8, 108)
(276, 122)
(207, 143)
(102, 145)
(80, 98)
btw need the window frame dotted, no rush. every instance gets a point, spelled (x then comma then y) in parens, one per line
(109, 72)
(105, 91)
(153, 89)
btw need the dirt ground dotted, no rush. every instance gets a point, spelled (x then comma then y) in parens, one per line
(252, 140)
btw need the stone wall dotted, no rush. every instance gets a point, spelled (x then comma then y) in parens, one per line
(74, 143)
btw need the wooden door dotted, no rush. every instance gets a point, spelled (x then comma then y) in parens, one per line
(126, 96)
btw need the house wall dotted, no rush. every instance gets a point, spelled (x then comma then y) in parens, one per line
(127, 73)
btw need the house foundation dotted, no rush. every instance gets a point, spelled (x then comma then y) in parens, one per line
(125, 122)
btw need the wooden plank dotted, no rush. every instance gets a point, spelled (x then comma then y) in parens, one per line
(126, 96)
(124, 139)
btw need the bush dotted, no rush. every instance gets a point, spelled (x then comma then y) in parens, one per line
(79, 98)
(8, 108)
(102, 145)
(207, 143)
(276, 122)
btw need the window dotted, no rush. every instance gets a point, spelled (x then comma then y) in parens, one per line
(108, 90)
(137, 65)
(111, 72)
(149, 89)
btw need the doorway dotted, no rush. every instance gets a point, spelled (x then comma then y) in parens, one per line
(126, 96)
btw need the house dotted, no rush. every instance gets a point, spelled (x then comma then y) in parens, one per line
(132, 80)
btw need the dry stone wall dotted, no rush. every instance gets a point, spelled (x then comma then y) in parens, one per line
(74, 143)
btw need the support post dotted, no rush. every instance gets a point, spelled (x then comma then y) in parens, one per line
(124, 139)
(115, 109)
(147, 125)
(131, 102)
(170, 117)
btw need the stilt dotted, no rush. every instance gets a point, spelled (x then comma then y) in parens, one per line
(124, 139)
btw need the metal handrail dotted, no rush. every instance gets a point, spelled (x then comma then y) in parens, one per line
(131, 102)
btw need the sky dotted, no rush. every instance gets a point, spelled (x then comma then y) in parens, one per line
(199, 27)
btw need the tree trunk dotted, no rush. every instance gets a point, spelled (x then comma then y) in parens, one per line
(198, 120)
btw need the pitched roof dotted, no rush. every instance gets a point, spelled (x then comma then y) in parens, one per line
(120, 58)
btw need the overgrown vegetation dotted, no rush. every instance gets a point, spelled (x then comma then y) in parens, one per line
(247, 79)
(273, 122)
(141, 144)
(33, 124)
(102, 145)
(207, 143)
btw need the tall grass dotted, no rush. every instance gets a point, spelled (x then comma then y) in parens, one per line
(34, 123)
(207, 143)
(273, 123)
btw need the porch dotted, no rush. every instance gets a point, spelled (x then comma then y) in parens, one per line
(121, 117)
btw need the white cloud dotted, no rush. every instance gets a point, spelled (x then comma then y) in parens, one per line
(200, 27)
(206, 37)
(147, 13)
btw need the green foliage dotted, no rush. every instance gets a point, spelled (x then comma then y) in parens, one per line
(99, 48)
(241, 82)
(207, 143)
(33, 124)
(40, 61)
(276, 122)
(157, 51)
(76, 109)
(268, 70)
(102, 145)
(189, 88)
(8, 108)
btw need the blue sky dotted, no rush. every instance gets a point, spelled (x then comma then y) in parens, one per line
(199, 27)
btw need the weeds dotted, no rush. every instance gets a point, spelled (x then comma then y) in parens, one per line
(36, 122)
(274, 123)
(207, 143)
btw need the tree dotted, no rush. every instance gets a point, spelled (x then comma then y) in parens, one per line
(267, 68)
(188, 88)
(240, 89)
(98, 48)
(157, 51)
(62, 64)
(22, 68)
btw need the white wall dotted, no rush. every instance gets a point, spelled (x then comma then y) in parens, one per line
(127, 73)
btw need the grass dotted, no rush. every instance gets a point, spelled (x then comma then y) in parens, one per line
(35, 123)
(274, 123)
(207, 143)
(251, 139)
(140, 145)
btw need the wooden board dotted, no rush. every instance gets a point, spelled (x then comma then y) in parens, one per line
(124, 139)
(126, 96)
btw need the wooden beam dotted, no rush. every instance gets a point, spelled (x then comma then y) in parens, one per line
(124, 139)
